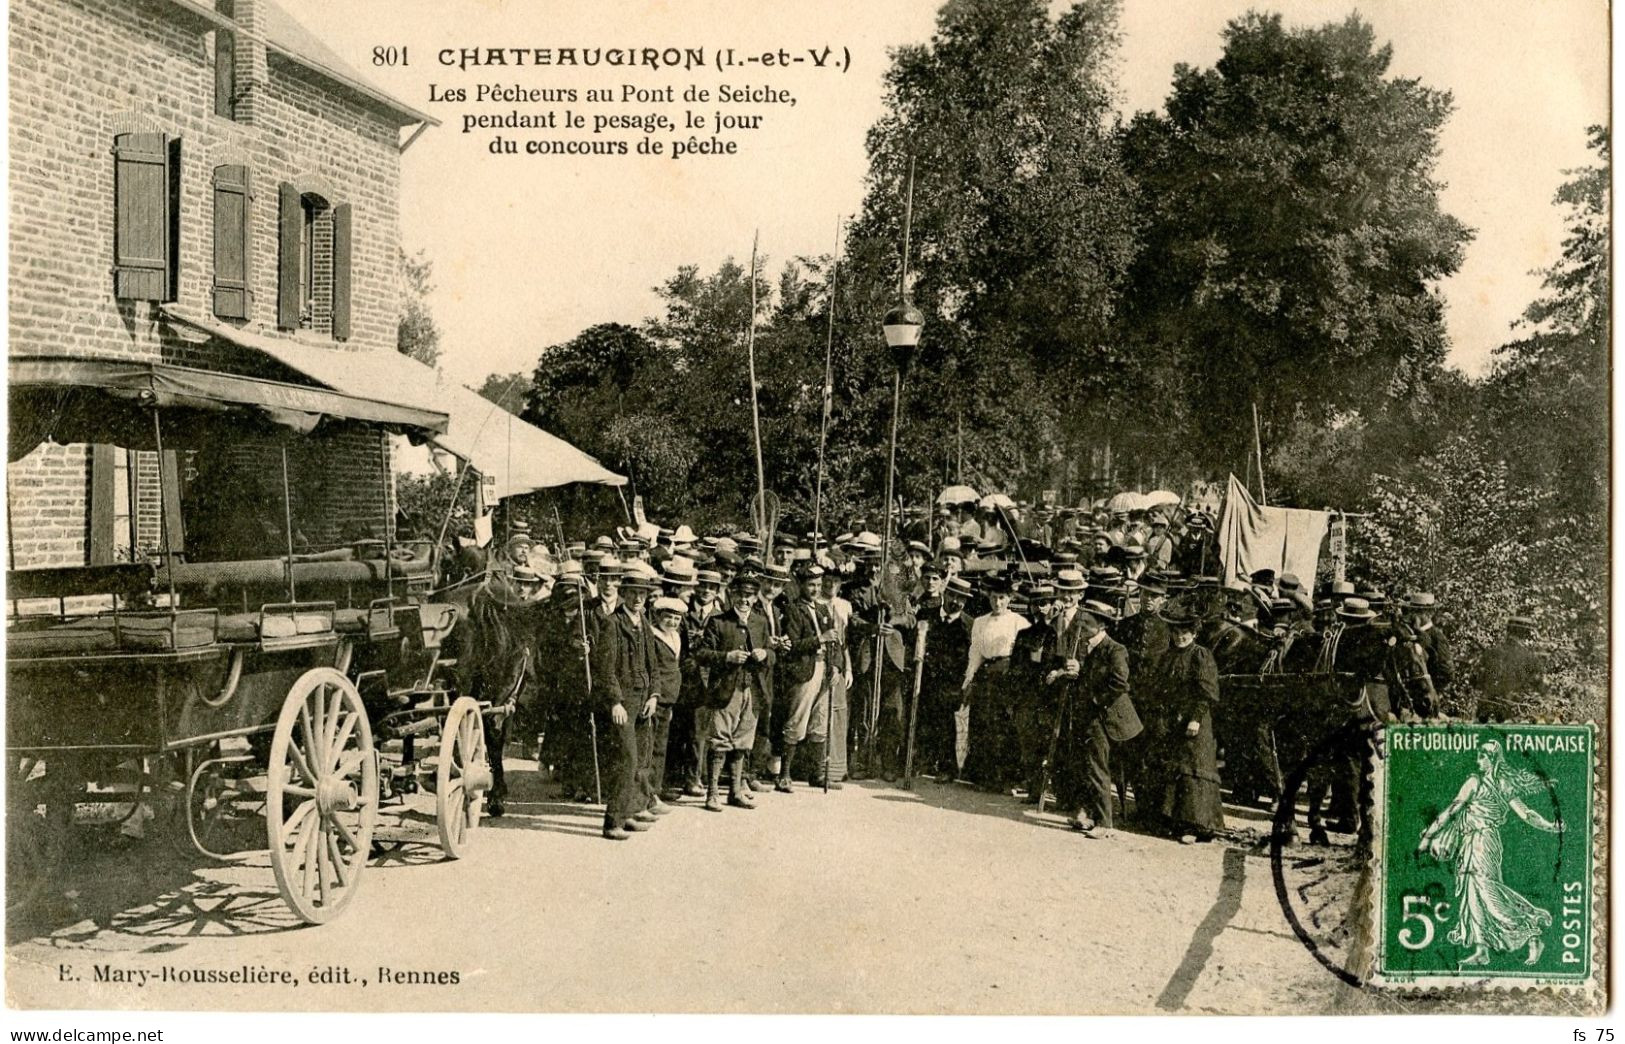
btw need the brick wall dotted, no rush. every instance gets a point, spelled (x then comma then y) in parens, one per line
(84, 71)
(49, 518)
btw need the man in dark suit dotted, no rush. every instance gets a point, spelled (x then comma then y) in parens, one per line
(737, 652)
(620, 682)
(1511, 673)
(1145, 636)
(880, 611)
(1419, 608)
(1096, 712)
(947, 646)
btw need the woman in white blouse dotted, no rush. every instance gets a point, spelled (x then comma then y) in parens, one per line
(992, 639)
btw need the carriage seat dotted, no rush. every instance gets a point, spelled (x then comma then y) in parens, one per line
(104, 633)
(252, 627)
(60, 638)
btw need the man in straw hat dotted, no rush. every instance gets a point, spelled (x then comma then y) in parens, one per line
(1096, 711)
(807, 666)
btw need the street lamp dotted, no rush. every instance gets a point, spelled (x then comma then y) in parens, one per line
(902, 329)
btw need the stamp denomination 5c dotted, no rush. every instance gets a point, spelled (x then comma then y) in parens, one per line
(1483, 855)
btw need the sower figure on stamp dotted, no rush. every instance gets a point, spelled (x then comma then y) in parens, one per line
(1096, 712)
(738, 653)
(1491, 915)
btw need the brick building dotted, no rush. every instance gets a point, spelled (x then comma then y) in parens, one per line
(190, 178)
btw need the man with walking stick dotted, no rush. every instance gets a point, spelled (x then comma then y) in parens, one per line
(807, 668)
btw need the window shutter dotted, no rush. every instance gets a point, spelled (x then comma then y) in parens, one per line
(102, 475)
(141, 227)
(341, 272)
(233, 230)
(291, 227)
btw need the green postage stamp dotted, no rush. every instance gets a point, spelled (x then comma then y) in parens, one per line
(1483, 855)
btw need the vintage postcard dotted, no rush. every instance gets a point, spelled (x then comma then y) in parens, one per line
(1067, 507)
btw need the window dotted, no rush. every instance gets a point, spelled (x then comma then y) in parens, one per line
(233, 241)
(313, 291)
(146, 225)
(123, 540)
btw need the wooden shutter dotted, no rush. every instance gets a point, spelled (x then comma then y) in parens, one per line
(233, 235)
(103, 470)
(341, 272)
(142, 220)
(291, 226)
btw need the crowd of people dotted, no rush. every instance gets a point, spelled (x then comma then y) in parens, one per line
(1069, 656)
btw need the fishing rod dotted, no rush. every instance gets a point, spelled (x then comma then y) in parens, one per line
(755, 412)
(829, 391)
(586, 663)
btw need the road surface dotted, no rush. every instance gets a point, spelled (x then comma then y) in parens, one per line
(871, 899)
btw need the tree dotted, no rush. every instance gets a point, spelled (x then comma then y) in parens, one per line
(1294, 238)
(416, 333)
(507, 390)
(1023, 227)
(1548, 392)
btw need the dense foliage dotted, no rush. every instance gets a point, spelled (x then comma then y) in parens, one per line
(1105, 303)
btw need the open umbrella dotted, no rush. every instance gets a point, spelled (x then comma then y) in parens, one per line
(955, 495)
(995, 501)
(1160, 498)
(1123, 503)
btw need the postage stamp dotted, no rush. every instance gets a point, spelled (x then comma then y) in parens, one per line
(1482, 855)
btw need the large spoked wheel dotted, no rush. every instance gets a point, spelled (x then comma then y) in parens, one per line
(461, 777)
(321, 799)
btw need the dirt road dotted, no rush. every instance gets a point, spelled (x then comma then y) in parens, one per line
(872, 899)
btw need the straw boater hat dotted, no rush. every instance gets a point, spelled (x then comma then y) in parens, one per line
(1421, 600)
(679, 572)
(1355, 610)
(959, 587)
(638, 573)
(709, 576)
(1101, 611)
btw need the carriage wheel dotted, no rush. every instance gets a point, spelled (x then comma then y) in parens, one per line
(322, 798)
(461, 777)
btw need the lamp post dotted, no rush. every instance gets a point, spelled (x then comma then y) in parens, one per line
(902, 329)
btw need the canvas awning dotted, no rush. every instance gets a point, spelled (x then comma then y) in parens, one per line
(518, 456)
(72, 400)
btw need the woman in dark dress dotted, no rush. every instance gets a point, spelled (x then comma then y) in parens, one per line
(1187, 686)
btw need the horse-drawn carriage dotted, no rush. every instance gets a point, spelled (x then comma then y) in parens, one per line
(308, 688)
